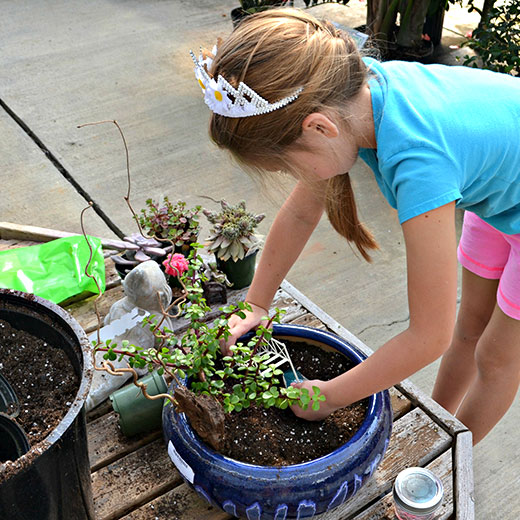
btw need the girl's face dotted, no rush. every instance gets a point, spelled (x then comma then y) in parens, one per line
(318, 159)
(327, 148)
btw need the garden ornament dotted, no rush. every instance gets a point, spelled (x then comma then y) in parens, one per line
(224, 99)
(277, 356)
(146, 293)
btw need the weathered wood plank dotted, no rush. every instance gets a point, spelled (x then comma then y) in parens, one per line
(132, 481)
(432, 408)
(416, 441)
(112, 279)
(9, 230)
(400, 404)
(13, 244)
(308, 320)
(464, 498)
(100, 410)
(181, 503)
(442, 467)
(293, 309)
(107, 444)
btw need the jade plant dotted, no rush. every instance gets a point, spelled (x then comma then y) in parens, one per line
(232, 235)
(217, 383)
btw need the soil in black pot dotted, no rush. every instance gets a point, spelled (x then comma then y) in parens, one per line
(41, 376)
(273, 437)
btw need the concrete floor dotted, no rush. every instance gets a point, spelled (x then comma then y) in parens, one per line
(68, 62)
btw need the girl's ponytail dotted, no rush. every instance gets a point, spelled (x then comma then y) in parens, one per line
(340, 205)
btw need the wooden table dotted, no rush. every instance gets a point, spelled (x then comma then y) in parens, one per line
(134, 479)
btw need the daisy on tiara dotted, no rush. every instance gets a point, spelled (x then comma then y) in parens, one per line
(224, 99)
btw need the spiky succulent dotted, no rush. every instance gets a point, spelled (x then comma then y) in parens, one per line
(232, 235)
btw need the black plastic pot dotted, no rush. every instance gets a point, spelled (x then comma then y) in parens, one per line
(52, 480)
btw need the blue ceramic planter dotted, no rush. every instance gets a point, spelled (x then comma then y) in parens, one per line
(281, 493)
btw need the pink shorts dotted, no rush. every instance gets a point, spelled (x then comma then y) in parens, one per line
(491, 254)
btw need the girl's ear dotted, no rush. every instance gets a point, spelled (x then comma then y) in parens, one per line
(321, 124)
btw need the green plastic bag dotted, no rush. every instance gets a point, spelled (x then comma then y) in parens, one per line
(54, 270)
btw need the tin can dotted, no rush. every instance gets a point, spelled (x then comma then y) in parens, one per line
(417, 494)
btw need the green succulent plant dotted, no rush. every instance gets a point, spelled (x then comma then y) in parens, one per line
(169, 221)
(232, 235)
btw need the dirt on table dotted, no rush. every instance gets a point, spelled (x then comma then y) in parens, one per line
(42, 377)
(274, 437)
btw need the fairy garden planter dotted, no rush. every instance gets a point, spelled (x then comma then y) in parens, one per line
(46, 358)
(282, 491)
(233, 242)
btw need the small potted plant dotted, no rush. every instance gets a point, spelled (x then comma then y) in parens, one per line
(233, 241)
(171, 223)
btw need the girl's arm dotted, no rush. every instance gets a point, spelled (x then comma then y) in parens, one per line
(290, 231)
(432, 297)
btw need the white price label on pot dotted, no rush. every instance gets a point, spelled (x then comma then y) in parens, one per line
(183, 467)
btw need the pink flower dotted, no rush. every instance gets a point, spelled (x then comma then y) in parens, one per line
(175, 264)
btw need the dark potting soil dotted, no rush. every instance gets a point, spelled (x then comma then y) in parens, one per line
(274, 437)
(41, 376)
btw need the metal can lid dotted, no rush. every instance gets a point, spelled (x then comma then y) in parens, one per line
(418, 490)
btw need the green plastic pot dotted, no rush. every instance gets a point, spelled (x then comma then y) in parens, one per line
(137, 414)
(239, 273)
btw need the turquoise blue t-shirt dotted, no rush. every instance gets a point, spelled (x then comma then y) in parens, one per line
(447, 134)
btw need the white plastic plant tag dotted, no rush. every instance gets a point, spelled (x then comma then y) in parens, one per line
(104, 384)
(122, 325)
(183, 467)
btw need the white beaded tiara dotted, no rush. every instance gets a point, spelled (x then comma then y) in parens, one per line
(224, 99)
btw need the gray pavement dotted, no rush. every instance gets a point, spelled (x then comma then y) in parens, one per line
(68, 62)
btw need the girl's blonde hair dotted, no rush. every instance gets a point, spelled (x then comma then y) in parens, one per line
(274, 53)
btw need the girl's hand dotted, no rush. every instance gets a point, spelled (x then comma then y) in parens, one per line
(238, 326)
(325, 407)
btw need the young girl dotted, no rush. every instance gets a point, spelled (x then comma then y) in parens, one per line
(291, 93)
